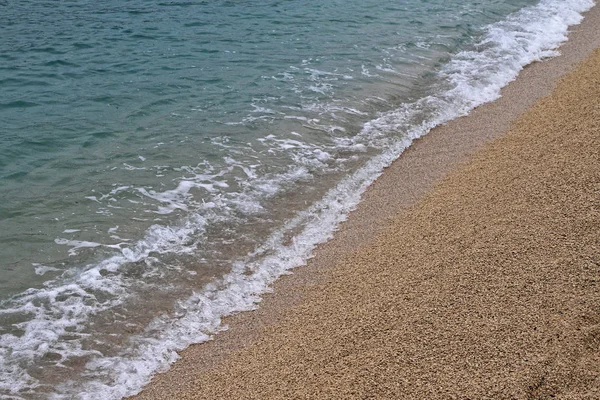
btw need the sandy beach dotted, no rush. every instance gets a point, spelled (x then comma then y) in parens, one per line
(471, 269)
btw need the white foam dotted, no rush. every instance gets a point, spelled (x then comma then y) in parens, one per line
(476, 77)
(365, 72)
(76, 244)
(132, 168)
(42, 269)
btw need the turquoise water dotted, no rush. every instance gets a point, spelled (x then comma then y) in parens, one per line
(161, 163)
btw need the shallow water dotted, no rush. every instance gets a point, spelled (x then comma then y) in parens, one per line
(162, 162)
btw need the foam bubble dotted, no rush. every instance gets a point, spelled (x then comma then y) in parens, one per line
(42, 269)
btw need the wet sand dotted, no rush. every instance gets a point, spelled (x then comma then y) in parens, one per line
(470, 270)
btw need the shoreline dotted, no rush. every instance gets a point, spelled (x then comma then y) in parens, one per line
(401, 186)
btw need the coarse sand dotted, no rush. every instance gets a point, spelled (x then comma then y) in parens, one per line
(485, 287)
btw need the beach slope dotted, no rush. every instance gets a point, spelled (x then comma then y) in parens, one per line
(488, 287)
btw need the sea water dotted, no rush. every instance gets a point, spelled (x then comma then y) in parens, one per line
(163, 162)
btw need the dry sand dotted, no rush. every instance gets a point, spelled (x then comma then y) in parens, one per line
(487, 286)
